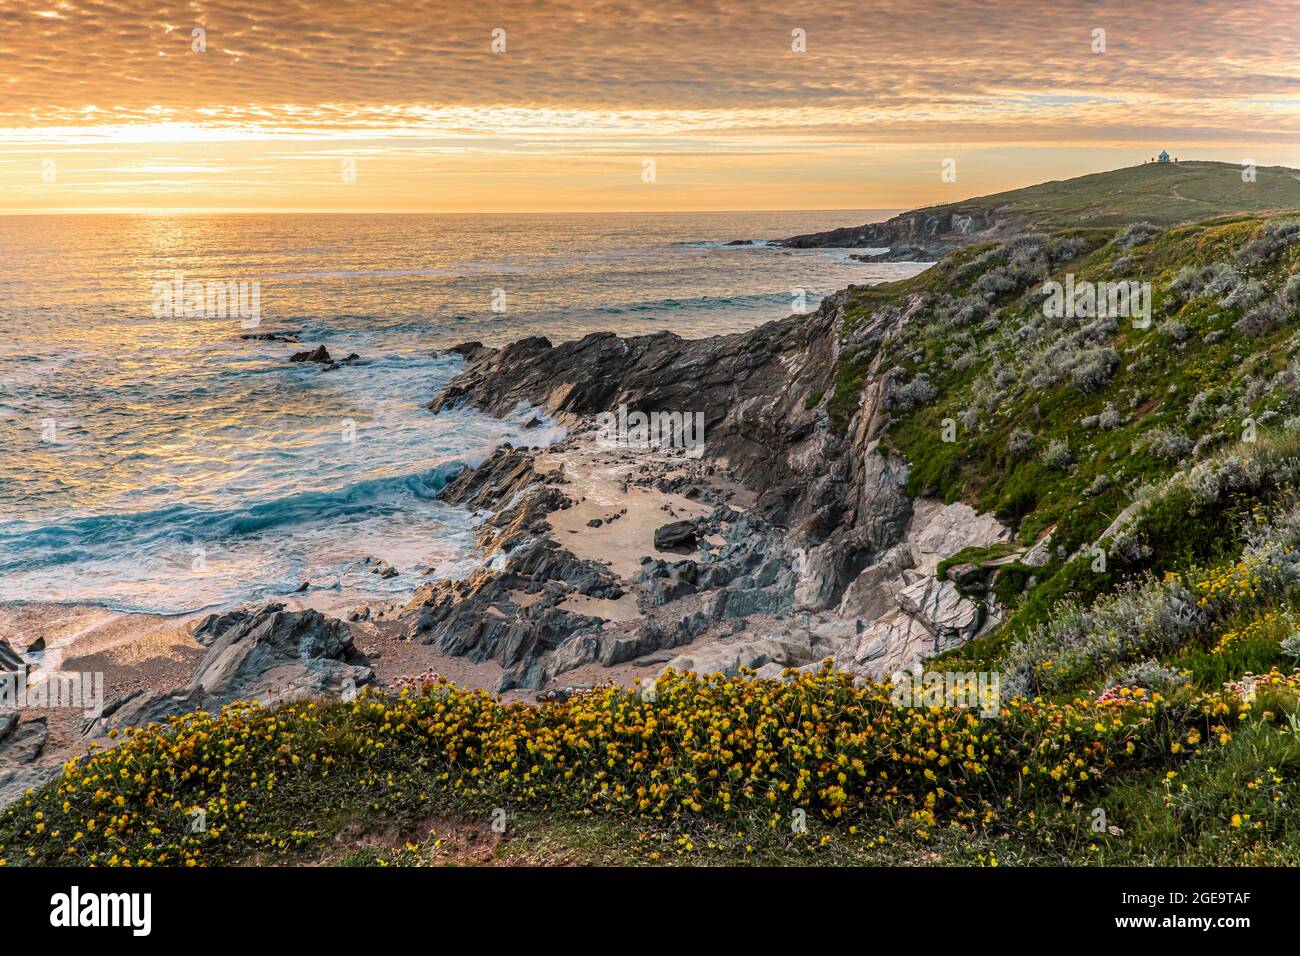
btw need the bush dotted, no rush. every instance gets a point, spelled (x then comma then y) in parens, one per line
(1070, 247)
(1094, 368)
(733, 749)
(1261, 320)
(1174, 330)
(1135, 234)
(1019, 443)
(1163, 443)
(1057, 455)
(1137, 622)
(1152, 675)
(914, 394)
(1290, 294)
(1291, 647)
(1244, 295)
(1276, 236)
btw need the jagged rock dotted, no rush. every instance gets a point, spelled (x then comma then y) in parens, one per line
(318, 354)
(676, 536)
(1039, 554)
(271, 336)
(577, 650)
(862, 540)
(351, 359)
(21, 741)
(874, 591)
(941, 530)
(664, 582)
(11, 660)
(920, 235)
(819, 583)
(21, 745)
(940, 609)
(37, 646)
(894, 642)
(729, 658)
(268, 654)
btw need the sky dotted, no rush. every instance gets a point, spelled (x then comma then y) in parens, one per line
(603, 105)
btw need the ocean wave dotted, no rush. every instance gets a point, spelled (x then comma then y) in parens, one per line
(89, 537)
(725, 244)
(758, 300)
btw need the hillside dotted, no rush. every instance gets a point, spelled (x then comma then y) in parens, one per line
(1134, 480)
(1161, 193)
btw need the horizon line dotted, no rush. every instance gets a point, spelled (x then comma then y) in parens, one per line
(429, 212)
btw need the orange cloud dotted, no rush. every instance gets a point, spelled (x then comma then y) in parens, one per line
(263, 100)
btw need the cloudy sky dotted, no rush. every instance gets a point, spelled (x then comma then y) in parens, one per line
(731, 104)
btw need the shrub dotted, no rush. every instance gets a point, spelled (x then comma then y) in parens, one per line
(1057, 455)
(1019, 443)
(1139, 621)
(1135, 234)
(1069, 247)
(1276, 236)
(1109, 418)
(1221, 280)
(996, 282)
(733, 749)
(1153, 676)
(1163, 443)
(1099, 484)
(1094, 369)
(914, 394)
(1290, 293)
(1262, 319)
(1244, 295)
(1174, 330)
(1291, 647)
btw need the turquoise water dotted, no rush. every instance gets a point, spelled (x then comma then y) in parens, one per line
(158, 461)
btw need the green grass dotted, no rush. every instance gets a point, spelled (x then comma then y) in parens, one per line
(974, 555)
(1160, 193)
(1230, 806)
(1152, 389)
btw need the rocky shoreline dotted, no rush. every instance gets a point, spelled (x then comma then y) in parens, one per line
(801, 545)
(921, 235)
(780, 541)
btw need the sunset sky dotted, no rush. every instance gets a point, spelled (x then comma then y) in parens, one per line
(105, 106)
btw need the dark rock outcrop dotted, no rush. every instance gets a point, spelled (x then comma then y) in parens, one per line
(271, 336)
(676, 536)
(21, 746)
(837, 494)
(266, 654)
(318, 354)
(509, 609)
(923, 235)
(11, 660)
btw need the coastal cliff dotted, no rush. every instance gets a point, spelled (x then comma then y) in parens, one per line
(1093, 512)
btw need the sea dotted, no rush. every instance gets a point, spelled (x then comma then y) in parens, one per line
(154, 457)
